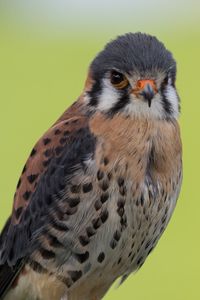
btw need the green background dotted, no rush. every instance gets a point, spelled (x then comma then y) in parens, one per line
(45, 50)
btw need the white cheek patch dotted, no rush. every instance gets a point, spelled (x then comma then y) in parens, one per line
(108, 97)
(172, 97)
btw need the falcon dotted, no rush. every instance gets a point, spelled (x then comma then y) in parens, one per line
(100, 186)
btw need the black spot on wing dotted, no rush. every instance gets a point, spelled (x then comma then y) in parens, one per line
(23, 237)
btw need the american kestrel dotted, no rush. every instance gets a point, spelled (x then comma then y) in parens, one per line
(100, 186)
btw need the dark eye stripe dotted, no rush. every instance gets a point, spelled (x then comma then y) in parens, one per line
(122, 102)
(166, 104)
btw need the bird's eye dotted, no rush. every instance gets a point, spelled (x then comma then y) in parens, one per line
(118, 80)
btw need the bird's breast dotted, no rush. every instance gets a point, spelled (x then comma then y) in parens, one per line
(142, 159)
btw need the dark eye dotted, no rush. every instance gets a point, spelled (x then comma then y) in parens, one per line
(118, 80)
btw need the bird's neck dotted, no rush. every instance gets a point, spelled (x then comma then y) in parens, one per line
(142, 142)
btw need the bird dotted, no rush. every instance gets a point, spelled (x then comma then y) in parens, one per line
(100, 186)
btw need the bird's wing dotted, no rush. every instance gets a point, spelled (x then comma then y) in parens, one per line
(41, 190)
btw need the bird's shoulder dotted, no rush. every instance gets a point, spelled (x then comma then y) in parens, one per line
(55, 157)
(65, 133)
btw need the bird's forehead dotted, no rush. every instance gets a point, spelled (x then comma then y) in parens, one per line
(134, 53)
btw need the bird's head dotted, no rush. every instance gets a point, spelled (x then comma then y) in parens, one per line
(134, 75)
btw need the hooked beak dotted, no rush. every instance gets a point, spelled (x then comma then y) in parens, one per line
(147, 89)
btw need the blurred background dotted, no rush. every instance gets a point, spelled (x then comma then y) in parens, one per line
(45, 49)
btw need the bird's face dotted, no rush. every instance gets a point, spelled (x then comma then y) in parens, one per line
(135, 76)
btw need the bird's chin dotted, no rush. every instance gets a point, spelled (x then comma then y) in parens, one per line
(144, 109)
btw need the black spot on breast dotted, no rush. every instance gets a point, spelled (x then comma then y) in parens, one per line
(105, 161)
(82, 257)
(120, 181)
(100, 175)
(27, 195)
(73, 201)
(117, 235)
(90, 231)
(75, 275)
(101, 257)
(98, 205)
(123, 222)
(121, 202)
(122, 190)
(96, 223)
(113, 244)
(47, 254)
(31, 178)
(104, 185)
(71, 210)
(60, 226)
(75, 189)
(46, 141)
(84, 240)
(54, 242)
(37, 267)
(142, 200)
(104, 215)
(87, 187)
(120, 211)
(18, 212)
(104, 197)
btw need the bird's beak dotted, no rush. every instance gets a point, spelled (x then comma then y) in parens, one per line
(146, 88)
